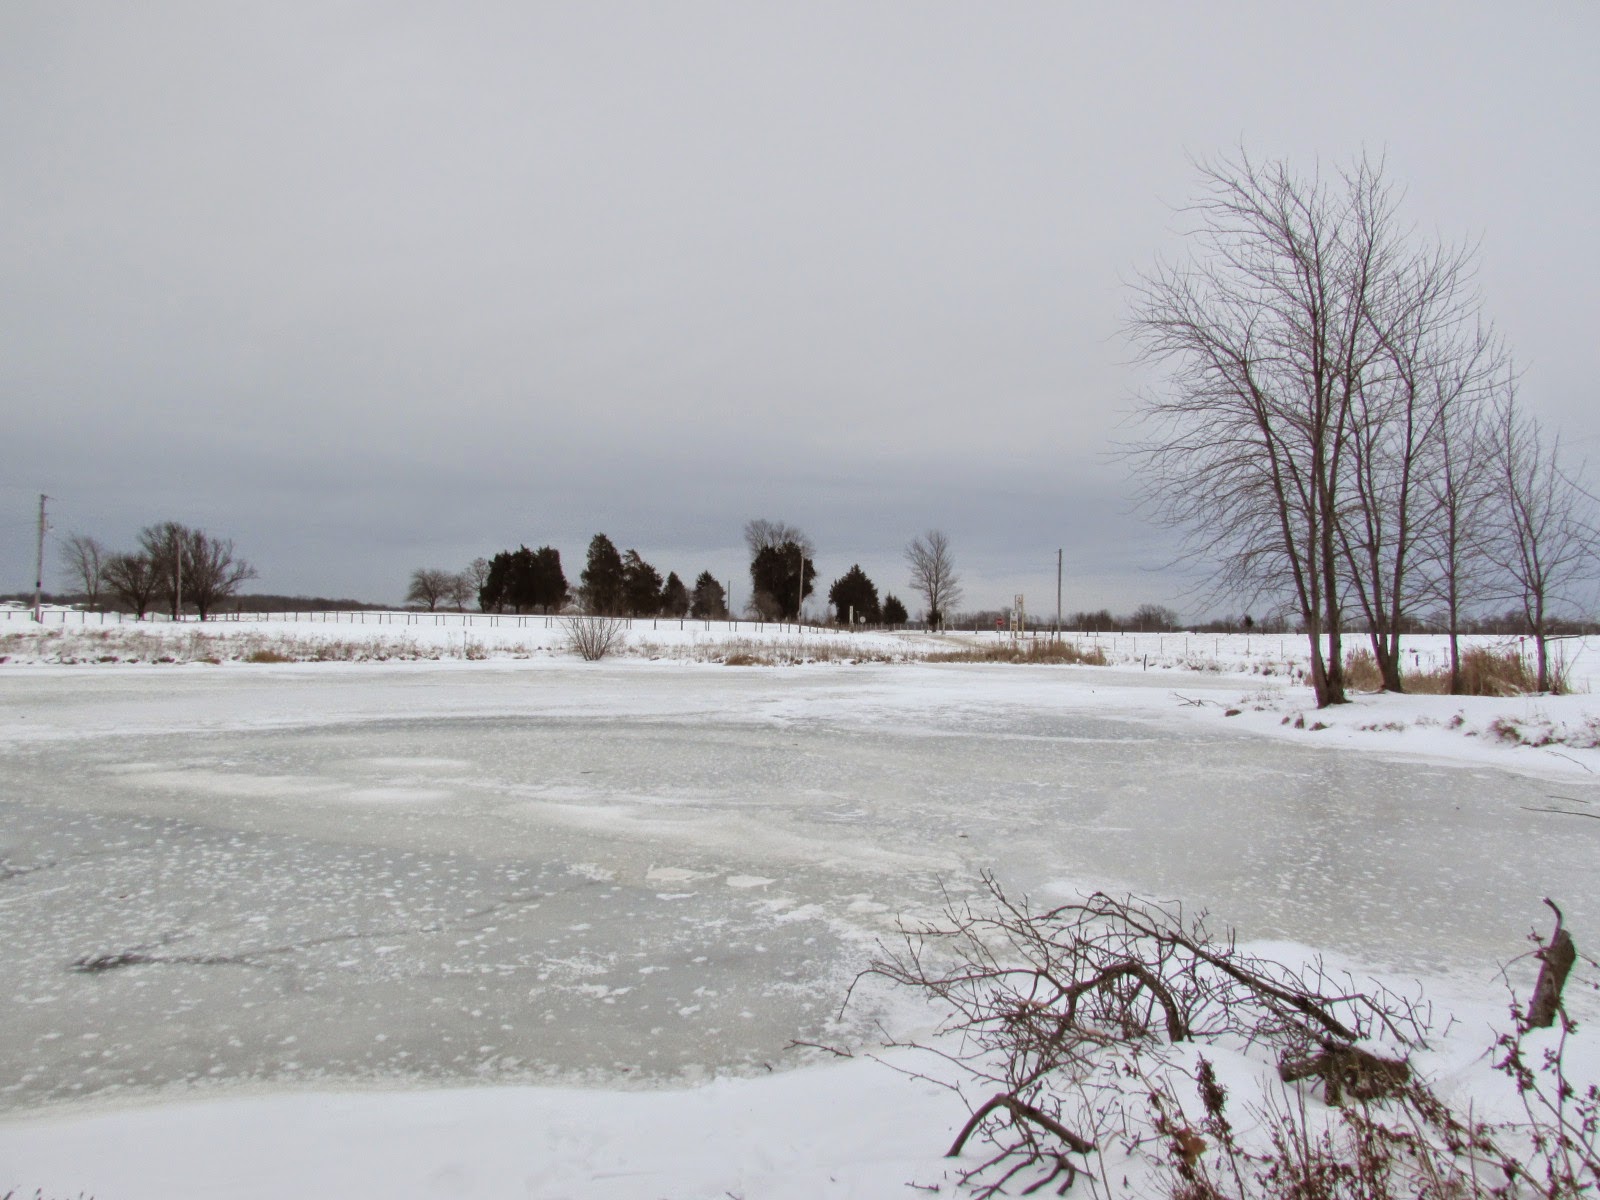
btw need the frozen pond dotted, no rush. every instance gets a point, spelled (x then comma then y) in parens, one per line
(575, 872)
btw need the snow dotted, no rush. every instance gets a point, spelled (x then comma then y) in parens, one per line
(519, 925)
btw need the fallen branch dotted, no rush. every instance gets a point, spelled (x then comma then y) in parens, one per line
(1026, 1111)
(1556, 962)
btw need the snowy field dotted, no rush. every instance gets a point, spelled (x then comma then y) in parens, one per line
(472, 917)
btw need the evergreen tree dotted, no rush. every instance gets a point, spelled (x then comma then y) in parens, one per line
(523, 580)
(781, 570)
(492, 595)
(548, 588)
(853, 590)
(894, 612)
(602, 577)
(775, 573)
(710, 601)
(641, 586)
(674, 597)
(519, 580)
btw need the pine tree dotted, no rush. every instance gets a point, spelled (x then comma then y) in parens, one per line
(674, 597)
(710, 601)
(854, 591)
(549, 582)
(894, 612)
(602, 577)
(641, 586)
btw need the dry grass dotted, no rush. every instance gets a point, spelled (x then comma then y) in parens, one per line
(1029, 651)
(1484, 672)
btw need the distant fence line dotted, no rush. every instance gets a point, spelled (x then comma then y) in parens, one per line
(1284, 648)
(396, 617)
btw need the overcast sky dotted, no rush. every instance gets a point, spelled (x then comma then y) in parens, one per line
(368, 287)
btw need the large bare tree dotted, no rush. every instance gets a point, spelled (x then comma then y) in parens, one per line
(192, 567)
(933, 574)
(1307, 345)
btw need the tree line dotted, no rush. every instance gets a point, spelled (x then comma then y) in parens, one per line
(173, 567)
(624, 584)
(1339, 430)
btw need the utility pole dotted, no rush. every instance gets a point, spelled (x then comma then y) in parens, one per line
(800, 599)
(38, 570)
(1058, 595)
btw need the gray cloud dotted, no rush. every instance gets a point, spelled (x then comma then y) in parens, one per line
(371, 286)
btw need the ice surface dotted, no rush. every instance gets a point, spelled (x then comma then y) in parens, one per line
(621, 873)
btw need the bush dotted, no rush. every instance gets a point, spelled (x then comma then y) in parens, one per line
(594, 637)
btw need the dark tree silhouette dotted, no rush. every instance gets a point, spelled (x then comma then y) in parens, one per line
(710, 601)
(641, 586)
(674, 597)
(602, 578)
(853, 591)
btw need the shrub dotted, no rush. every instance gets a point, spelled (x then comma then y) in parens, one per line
(593, 637)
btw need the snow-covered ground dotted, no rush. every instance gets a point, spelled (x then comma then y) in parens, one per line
(504, 923)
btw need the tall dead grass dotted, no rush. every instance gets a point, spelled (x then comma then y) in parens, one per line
(1019, 651)
(1484, 672)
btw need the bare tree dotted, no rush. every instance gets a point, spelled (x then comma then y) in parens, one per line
(1283, 337)
(474, 577)
(462, 590)
(762, 534)
(1152, 618)
(1462, 490)
(132, 580)
(933, 574)
(211, 571)
(429, 586)
(1546, 538)
(1433, 372)
(189, 566)
(163, 546)
(84, 561)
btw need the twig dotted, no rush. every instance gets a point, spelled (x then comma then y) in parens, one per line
(1562, 812)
